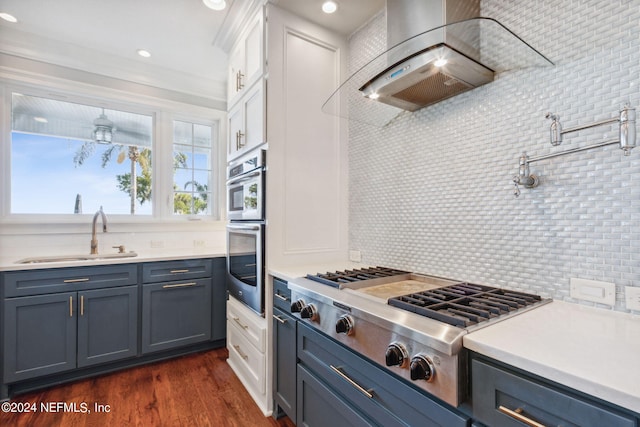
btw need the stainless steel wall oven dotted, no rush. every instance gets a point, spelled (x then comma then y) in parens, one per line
(246, 229)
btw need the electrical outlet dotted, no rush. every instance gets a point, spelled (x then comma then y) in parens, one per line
(355, 256)
(198, 243)
(593, 290)
(157, 244)
(632, 297)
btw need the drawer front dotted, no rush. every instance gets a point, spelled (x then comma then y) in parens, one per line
(501, 397)
(383, 397)
(252, 327)
(281, 295)
(37, 282)
(166, 271)
(247, 361)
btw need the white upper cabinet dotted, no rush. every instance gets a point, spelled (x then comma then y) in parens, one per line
(246, 60)
(246, 122)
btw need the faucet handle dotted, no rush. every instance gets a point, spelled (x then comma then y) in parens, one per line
(119, 248)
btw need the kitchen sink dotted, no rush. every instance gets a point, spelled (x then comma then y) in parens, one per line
(83, 257)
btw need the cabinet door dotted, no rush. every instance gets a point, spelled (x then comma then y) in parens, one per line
(254, 118)
(284, 362)
(175, 314)
(235, 128)
(246, 59)
(319, 406)
(236, 60)
(107, 325)
(253, 52)
(39, 335)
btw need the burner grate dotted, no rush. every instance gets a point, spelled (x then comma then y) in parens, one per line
(464, 304)
(356, 275)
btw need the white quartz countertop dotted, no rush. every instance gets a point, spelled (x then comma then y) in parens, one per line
(8, 263)
(592, 350)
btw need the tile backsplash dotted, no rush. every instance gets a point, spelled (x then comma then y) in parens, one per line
(431, 192)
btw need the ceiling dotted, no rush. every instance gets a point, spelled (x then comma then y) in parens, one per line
(182, 35)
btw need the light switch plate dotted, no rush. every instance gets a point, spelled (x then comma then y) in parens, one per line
(632, 297)
(593, 290)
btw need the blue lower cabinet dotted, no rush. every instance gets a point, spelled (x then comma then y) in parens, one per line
(47, 334)
(39, 335)
(502, 397)
(318, 405)
(378, 397)
(58, 324)
(175, 314)
(107, 325)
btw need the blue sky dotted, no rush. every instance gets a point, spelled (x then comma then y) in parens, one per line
(44, 178)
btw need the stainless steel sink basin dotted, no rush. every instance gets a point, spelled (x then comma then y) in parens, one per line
(83, 257)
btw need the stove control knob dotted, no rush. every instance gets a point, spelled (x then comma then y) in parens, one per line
(344, 325)
(297, 306)
(422, 368)
(309, 312)
(396, 355)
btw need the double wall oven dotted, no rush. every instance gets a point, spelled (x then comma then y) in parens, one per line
(245, 230)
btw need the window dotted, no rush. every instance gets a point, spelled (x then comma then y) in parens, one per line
(69, 155)
(72, 158)
(192, 149)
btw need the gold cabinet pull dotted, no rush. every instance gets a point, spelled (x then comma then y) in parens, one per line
(280, 319)
(81, 305)
(352, 382)
(186, 270)
(244, 356)
(237, 320)
(179, 285)
(239, 83)
(283, 298)
(70, 306)
(84, 279)
(517, 414)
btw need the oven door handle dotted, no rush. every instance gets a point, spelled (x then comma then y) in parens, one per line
(244, 177)
(243, 227)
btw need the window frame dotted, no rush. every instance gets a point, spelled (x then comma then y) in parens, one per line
(163, 113)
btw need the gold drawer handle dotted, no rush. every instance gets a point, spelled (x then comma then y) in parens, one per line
(237, 320)
(244, 356)
(517, 414)
(179, 271)
(84, 279)
(352, 382)
(281, 297)
(179, 285)
(280, 319)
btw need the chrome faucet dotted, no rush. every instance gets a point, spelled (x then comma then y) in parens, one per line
(94, 239)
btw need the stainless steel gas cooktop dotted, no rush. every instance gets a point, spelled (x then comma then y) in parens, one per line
(408, 323)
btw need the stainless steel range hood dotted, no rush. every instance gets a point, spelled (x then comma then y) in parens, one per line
(436, 49)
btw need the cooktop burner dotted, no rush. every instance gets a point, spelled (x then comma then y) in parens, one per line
(356, 275)
(464, 304)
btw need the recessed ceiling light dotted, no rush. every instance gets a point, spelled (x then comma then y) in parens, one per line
(215, 4)
(144, 53)
(41, 120)
(7, 17)
(329, 6)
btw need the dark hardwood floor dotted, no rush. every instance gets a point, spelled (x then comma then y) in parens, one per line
(194, 390)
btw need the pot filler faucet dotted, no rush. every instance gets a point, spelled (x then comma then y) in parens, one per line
(94, 239)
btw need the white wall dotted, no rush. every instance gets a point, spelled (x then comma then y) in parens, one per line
(432, 191)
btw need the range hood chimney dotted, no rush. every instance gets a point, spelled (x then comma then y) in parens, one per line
(439, 68)
(436, 49)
